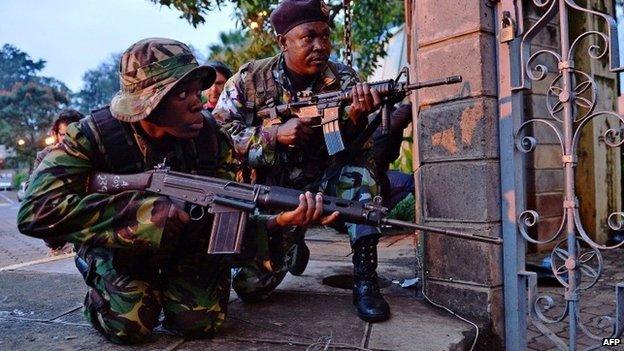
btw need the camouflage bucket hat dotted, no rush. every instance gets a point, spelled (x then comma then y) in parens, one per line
(149, 69)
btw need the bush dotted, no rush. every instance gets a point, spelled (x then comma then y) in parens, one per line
(19, 178)
(404, 210)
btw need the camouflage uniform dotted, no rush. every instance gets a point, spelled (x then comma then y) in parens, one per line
(135, 267)
(306, 168)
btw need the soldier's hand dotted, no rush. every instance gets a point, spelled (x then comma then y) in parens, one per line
(364, 101)
(309, 212)
(177, 218)
(293, 132)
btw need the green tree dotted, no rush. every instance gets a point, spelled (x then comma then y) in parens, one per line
(28, 103)
(27, 111)
(238, 47)
(373, 21)
(99, 85)
(16, 66)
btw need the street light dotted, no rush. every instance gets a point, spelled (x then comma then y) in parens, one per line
(21, 142)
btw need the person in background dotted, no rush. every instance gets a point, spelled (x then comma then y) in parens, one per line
(58, 130)
(211, 95)
(395, 185)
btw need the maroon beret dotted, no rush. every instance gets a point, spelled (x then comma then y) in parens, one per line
(291, 13)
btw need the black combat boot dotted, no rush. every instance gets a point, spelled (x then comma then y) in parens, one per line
(298, 255)
(371, 306)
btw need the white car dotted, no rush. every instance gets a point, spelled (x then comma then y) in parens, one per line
(5, 184)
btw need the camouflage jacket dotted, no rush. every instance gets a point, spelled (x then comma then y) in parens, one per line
(42, 154)
(294, 167)
(58, 208)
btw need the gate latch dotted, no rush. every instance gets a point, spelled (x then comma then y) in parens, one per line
(508, 28)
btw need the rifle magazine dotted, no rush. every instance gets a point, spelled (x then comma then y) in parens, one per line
(227, 232)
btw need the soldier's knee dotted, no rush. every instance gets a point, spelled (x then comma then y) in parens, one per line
(117, 330)
(125, 337)
(198, 324)
(129, 328)
(253, 284)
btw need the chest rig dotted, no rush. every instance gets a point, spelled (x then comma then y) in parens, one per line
(116, 149)
(261, 90)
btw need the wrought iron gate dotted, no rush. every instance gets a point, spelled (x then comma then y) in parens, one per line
(571, 102)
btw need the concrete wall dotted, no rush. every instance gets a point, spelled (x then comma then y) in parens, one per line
(456, 156)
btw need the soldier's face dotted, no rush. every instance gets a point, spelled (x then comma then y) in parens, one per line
(60, 135)
(306, 48)
(179, 113)
(212, 94)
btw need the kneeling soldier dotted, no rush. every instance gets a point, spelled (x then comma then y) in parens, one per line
(139, 253)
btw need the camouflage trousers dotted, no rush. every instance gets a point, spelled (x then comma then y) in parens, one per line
(358, 184)
(128, 292)
(257, 279)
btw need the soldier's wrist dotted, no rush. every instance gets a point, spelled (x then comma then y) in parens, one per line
(275, 222)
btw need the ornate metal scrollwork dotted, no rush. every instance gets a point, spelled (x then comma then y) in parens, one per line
(561, 261)
(544, 303)
(560, 96)
(571, 100)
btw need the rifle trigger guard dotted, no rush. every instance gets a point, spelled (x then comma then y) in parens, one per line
(194, 210)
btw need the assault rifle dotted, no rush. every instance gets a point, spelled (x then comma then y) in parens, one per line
(324, 109)
(232, 202)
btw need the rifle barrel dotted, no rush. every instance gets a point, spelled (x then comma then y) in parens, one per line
(435, 82)
(449, 232)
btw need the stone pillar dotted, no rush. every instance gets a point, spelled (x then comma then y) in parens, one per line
(456, 158)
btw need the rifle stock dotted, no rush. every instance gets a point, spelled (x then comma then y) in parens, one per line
(231, 203)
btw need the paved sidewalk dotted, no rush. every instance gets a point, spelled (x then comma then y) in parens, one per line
(40, 308)
(14, 247)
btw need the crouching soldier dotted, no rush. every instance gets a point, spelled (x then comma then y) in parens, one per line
(138, 252)
(290, 152)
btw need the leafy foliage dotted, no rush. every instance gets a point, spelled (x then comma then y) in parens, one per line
(16, 66)
(99, 85)
(19, 178)
(27, 110)
(193, 10)
(372, 24)
(28, 103)
(404, 162)
(238, 47)
(405, 209)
